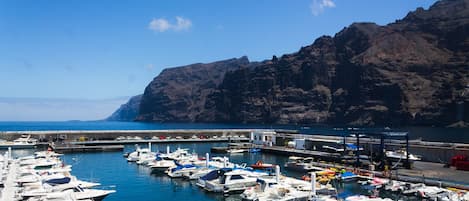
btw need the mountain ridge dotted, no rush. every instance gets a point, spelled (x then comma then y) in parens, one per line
(410, 72)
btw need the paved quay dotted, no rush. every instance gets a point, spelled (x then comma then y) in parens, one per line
(429, 173)
(436, 171)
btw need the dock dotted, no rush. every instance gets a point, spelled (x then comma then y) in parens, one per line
(429, 173)
(82, 148)
(90, 135)
(190, 140)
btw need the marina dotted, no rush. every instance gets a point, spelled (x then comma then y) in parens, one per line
(44, 176)
(314, 100)
(262, 149)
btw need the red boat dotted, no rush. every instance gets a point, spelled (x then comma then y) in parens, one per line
(261, 165)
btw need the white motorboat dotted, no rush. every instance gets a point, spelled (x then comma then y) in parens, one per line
(301, 164)
(235, 151)
(46, 154)
(269, 189)
(212, 175)
(56, 181)
(287, 188)
(178, 154)
(146, 156)
(399, 155)
(161, 165)
(233, 181)
(210, 165)
(403, 187)
(81, 193)
(431, 192)
(23, 142)
(180, 170)
(139, 153)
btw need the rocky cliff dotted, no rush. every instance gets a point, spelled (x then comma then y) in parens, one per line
(180, 94)
(411, 72)
(127, 111)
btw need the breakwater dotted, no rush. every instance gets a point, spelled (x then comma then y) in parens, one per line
(440, 152)
(91, 135)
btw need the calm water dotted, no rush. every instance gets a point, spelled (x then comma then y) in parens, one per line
(426, 133)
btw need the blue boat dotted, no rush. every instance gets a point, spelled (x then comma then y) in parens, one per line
(348, 176)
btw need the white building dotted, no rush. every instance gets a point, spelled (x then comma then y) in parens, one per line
(263, 137)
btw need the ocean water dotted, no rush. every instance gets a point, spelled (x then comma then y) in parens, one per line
(426, 133)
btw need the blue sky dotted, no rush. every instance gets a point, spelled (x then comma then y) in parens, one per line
(106, 50)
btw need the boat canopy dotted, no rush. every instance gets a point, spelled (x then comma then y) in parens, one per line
(180, 167)
(58, 181)
(215, 174)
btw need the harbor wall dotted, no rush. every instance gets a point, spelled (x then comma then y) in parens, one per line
(430, 151)
(82, 135)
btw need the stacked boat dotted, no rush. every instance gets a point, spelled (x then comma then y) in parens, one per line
(44, 177)
(425, 192)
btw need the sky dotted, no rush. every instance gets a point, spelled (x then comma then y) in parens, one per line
(72, 52)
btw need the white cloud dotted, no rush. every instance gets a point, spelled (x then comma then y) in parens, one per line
(162, 25)
(182, 24)
(159, 25)
(318, 6)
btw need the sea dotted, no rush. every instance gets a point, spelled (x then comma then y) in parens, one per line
(440, 134)
(134, 182)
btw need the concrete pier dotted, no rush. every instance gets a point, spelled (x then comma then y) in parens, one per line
(190, 140)
(80, 148)
(90, 135)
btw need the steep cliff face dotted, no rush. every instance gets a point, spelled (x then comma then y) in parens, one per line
(179, 94)
(127, 111)
(414, 71)
(411, 72)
